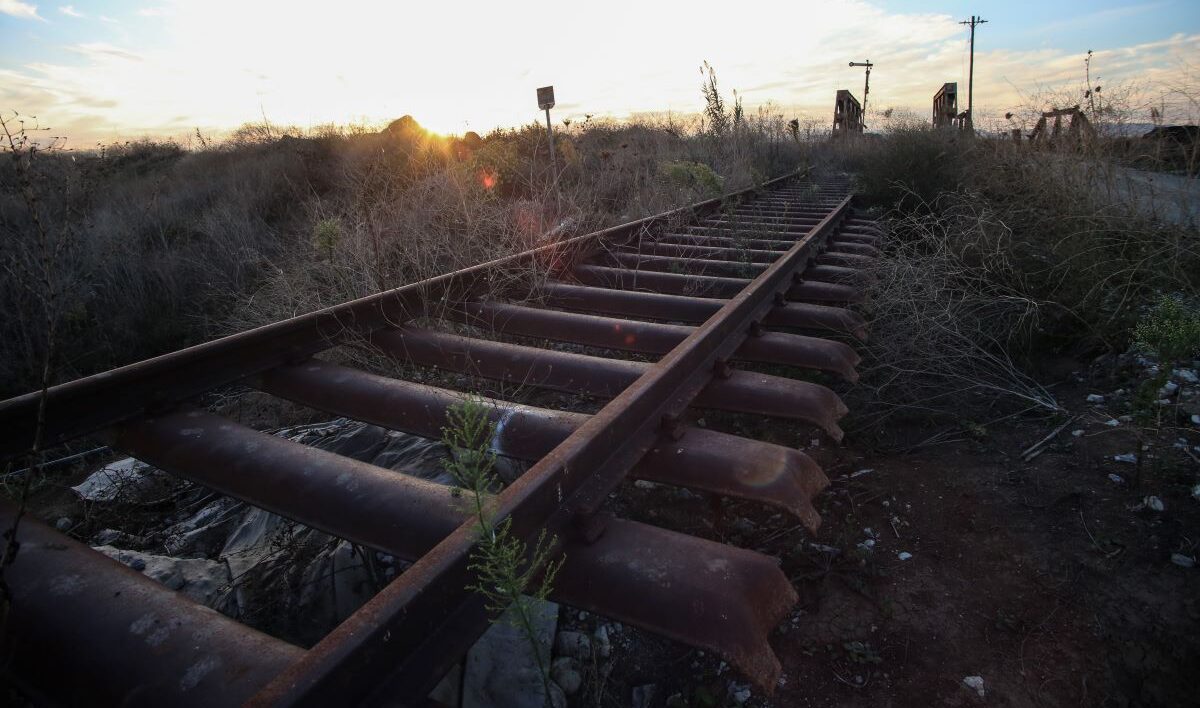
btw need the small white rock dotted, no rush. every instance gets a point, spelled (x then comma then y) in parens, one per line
(1168, 389)
(1116, 478)
(1095, 398)
(975, 683)
(644, 484)
(1112, 422)
(1196, 492)
(904, 555)
(601, 642)
(1186, 375)
(1077, 433)
(1128, 457)
(565, 672)
(1196, 419)
(1153, 503)
(1183, 561)
(861, 472)
(867, 545)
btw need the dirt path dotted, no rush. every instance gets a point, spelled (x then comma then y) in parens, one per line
(1046, 579)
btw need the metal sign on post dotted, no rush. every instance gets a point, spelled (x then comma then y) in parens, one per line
(545, 96)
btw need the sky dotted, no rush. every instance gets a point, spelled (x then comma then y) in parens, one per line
(103, 71)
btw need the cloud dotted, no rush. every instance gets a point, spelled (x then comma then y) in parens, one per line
(153, 12)
(70, 11)
(16, 8)
(109, 20)
(100, 51)
(459, 75)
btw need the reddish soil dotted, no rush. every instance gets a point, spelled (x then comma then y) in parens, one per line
(1047, 579)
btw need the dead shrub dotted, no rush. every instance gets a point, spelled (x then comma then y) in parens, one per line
(943, 319)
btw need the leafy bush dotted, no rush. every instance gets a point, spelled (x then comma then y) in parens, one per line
(326, 234)
(692, 175)
(1171, 330)
(909, 167)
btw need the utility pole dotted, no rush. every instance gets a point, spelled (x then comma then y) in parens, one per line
(971, 72)
(866, 86)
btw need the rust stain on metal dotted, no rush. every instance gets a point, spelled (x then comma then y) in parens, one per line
(762, 276)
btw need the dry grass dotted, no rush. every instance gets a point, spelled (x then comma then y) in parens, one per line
(945, 320)
(161, 246)
(1001, 258)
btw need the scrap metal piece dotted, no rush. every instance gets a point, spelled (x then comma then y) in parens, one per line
(654, 338)
(709, 252)
(690, 266)
(741, 391)
(84, 629)
(659, 282)
(775, 245)
(681, 308)
(816, 291)
(736, 598)
(700, 459)
(342, 496)
(846, 260)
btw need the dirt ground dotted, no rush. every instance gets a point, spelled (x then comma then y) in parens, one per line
(1046, 579)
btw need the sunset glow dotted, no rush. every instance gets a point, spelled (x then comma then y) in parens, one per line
(99, 71)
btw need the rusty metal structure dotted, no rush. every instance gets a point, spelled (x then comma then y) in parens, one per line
(765, 276)
(847, 115)
(1079, 131)
(945, 106)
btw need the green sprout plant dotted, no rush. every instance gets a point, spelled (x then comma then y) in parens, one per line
(1171, 332)
(506, 568)
(326, 234)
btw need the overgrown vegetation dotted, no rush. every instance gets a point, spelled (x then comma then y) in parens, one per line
(165, 244)
(1171, 331)
(1003, 256)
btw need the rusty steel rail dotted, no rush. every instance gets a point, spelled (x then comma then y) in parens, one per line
(762, 276)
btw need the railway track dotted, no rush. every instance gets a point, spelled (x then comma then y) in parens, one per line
(763, 276)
